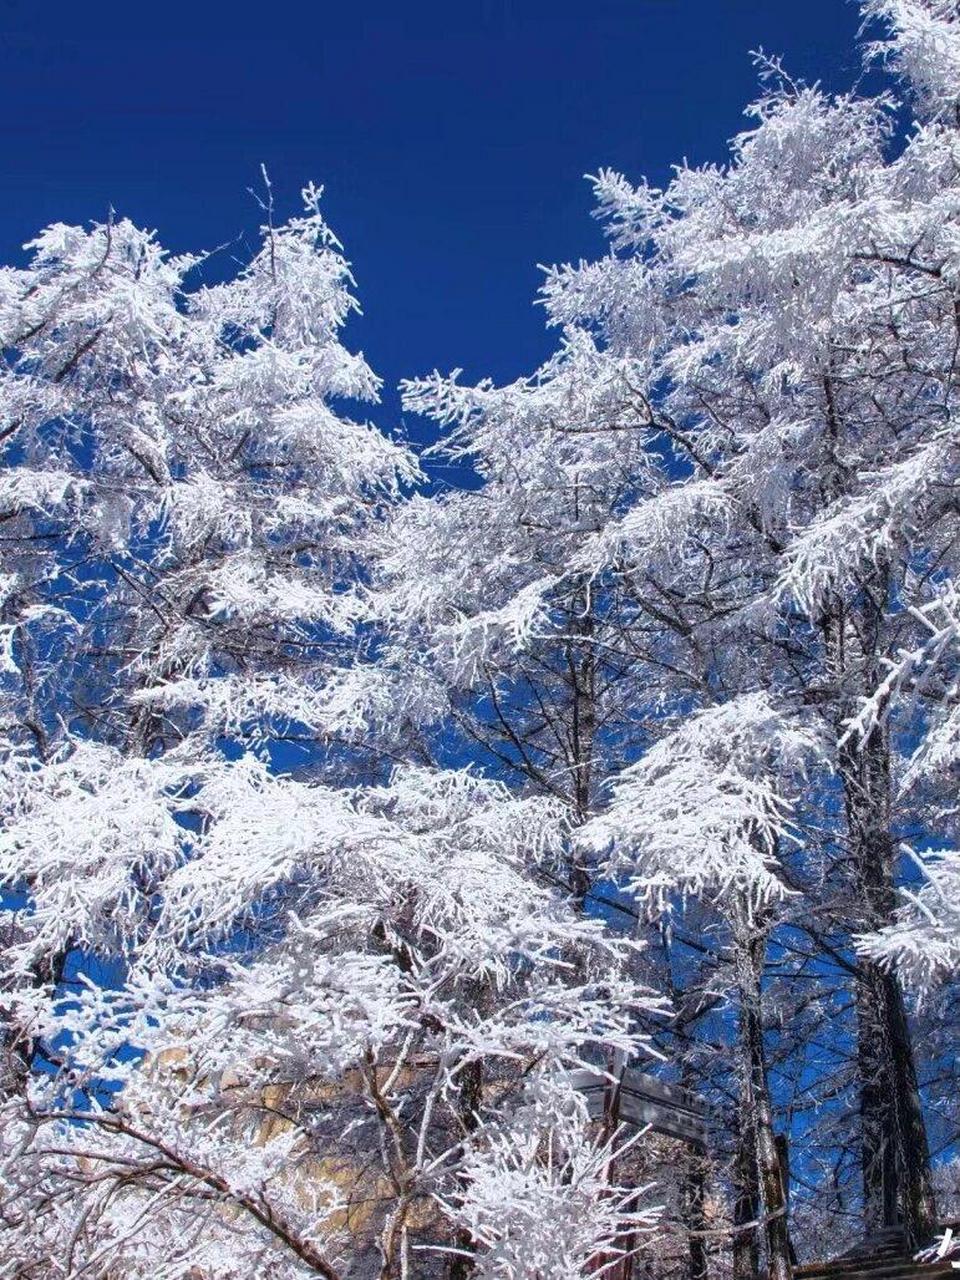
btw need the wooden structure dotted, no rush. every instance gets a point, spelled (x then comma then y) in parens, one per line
(642, 1100)
(630, 1096)
(883, 1256)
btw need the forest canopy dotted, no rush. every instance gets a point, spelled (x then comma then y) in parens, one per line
(353, 804)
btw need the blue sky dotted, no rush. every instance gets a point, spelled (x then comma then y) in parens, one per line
(451, 137)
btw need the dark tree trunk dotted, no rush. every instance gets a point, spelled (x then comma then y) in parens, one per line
(697, 1165)
(918, 1205)
(580, 677)
(461, 1265)
(895, 1156)
(693, 1193)
(783, 1156)
(877, 1137)
(746, 1203)
(751, 945)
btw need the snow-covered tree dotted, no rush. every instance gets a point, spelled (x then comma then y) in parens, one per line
(341, 821)
(737, 474)
(919, 691)
(383, 1043)
(336, 1015)
(529, 657)
(181, 514)
(704, 813)
(802, 372)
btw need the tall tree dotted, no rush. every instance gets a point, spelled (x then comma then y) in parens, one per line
(337, 1020)
(783, 333)
(803, 366)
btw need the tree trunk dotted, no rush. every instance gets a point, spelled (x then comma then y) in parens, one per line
(751, 944)
(461, 1265)
(918, 1205)
(877, 1137)
(581, 676)
(895, 1156)
(693, 1194)
(783, 1156)
(746, 1203)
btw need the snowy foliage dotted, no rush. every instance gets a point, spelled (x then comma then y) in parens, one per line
(920, 689)
(344, 815)
(704, 811)
(542, 1210)
(321, 992)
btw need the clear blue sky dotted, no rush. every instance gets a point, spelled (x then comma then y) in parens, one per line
(451, 137)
